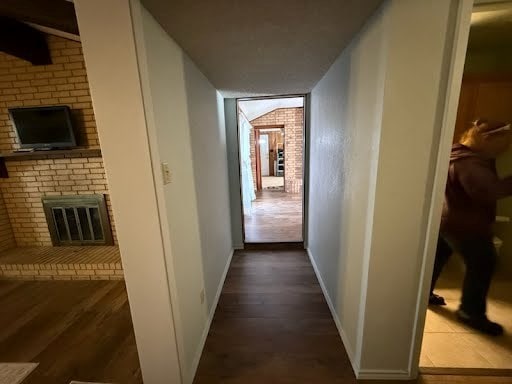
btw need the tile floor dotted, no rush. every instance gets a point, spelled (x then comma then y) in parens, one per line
(449, 344)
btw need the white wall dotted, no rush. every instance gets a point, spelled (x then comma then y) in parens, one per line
(186, 113)
(345, 127)
(408, 150)
(208, 139)
(375, 128)
(109, 50)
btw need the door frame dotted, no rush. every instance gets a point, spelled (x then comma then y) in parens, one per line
(257, 156)
(257, 152)
(305, 156)
(455, 56)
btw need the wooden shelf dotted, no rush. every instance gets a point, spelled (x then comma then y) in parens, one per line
(49, 154)
(53, 153)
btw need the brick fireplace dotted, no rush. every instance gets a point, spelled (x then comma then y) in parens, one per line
(22, 217)
(31, 180)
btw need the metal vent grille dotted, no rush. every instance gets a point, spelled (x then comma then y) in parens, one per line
(78, 220)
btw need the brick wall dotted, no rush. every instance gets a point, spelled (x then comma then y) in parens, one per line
(62, 83)
(30, 180)
(293, 121)
(6, 235)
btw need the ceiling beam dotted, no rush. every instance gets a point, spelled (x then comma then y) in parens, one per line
(23, 41)
(57, 14)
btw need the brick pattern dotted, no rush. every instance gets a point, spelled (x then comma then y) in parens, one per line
(61, 272)
(6, 235)
(62, 263)
(30, 180)
(62, 83)
(293, 121)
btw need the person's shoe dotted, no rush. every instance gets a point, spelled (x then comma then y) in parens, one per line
(480, 323)
(436, 300)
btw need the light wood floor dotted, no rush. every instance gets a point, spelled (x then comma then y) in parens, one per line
(272, 182)
(75, 330)
(276, 217)
(449, 344)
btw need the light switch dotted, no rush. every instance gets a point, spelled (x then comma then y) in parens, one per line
(166, 173)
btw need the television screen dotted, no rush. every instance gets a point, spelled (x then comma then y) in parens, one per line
(43, 127)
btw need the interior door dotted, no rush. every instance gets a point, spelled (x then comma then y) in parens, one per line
(258, 159)
(264, 153)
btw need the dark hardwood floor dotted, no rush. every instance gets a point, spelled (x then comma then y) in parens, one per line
(272, 325)
(75, 330)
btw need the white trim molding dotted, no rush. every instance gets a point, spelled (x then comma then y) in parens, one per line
(456, 55)
(344, 339)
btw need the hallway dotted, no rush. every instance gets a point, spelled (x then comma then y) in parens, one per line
(272, 325)
(276, 217)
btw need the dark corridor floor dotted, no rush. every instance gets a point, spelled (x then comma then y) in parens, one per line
(272, 325)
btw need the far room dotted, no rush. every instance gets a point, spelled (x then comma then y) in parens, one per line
(271, 142)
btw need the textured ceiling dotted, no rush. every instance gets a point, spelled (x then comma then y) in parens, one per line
(491, 27)
(262, 47)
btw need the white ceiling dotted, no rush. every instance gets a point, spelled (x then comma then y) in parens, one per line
(253, 109)
(262, 47)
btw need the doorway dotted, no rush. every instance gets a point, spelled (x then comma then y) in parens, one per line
(448, 345)
(271, 154)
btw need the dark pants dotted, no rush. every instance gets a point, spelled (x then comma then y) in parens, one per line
(480, 257)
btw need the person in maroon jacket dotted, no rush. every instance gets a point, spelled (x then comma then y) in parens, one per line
(469, 211)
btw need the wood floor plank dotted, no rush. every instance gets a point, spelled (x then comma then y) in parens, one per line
(276, 217)
(75, 330)
(272, 324)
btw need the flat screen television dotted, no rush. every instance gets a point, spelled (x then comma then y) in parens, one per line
(43, 127)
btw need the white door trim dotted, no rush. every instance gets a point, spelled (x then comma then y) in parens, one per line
(457, 58)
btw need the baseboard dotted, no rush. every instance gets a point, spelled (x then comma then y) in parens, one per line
(344, 339)
(361, 374)
(466, 371)
(376, 374)
(206, 330)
